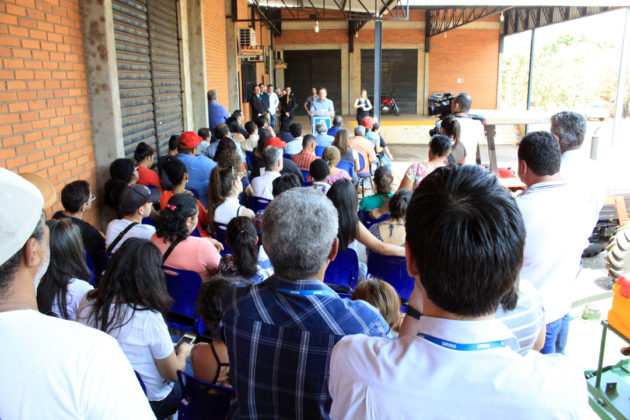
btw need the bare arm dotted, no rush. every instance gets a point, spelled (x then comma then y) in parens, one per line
(405, 182)
(369, 105)
(356, 103)
(370, 241)
(169, 366)
(540, 341)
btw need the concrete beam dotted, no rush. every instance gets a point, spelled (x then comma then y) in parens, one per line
(232, 60)
(196, 68)
(97, 27)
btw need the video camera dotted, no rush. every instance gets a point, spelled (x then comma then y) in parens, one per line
(440, 104)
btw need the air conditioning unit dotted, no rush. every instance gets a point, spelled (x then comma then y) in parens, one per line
(247, 37)
(255, 58)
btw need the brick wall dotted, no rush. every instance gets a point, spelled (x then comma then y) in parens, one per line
(468, 54)
(44, 114)
(216, 49)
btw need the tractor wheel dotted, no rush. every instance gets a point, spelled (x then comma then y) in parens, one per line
(618, 252)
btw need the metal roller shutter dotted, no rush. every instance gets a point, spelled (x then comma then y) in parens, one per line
(147, 53)
(399, 71)
(308, 68)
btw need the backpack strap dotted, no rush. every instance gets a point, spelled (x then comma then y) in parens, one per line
(120, 236)
(169, 250)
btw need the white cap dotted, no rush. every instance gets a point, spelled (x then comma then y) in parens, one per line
(21, 205)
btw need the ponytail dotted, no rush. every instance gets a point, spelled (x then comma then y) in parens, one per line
(241, 236)
(221, 181)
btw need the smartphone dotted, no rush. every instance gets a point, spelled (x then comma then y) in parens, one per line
(186, 338)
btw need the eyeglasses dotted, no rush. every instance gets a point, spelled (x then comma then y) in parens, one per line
(92, 198)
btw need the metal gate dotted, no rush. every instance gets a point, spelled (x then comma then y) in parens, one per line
(313, 68)
(149, 79)
(399, 76)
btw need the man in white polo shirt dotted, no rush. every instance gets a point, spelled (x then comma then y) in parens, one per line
(558, 224)
(263, 184)
(51, 368)
(455, 360)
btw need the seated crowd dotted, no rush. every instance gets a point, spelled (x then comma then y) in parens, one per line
(289, 344)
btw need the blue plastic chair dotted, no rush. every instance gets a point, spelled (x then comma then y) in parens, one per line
(90, 265)
(393, 270)
(305, 173)
(203, 400)
(287, 156)
(343, 271)
(183, 286)
(364, 217)
(319, 150)
(194, 192)
(221, 231)
(365, 176)
(347, 166)
(248, 159)
(257, 203)
(142, 385)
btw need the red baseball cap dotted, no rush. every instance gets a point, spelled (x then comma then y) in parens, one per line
(367, 122)
(189, 139)
(275, 142)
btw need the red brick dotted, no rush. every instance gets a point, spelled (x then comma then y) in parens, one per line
(10, 41)
(16, 85)
(28, 116)
(12, 141)
(21, 53)
(16, 10)
(17, 107)
(15, 162)
(18, 31)
(37, 34)
(13, 64)
(36, 14)
(27, 43)
(26, 3)
(6, 153)
(8, 96)
(30, 64)
(35, 85)
(41, 55)
(26, 95)
(27, 22)
(34, 157)
(25, 149)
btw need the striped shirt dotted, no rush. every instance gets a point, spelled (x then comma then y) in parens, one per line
(526, 320)
(303, 159)
(280, 335)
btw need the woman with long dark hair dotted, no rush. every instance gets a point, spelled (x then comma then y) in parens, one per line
(246, 260)
(344, 197)
(63, 286)
(144, 160)
(123, 172)
(182, 251)
(223, 196)
(129, 305)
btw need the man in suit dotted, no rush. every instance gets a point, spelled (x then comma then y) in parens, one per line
(287, 106)
(258, 107)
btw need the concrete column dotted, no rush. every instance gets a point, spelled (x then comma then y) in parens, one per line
(345, 75)
(232, 59)
(97, 27)
(184, 64)
(427, 50)
(196, 68)
(421, 83)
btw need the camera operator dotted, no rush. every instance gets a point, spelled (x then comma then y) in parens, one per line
(471, 130)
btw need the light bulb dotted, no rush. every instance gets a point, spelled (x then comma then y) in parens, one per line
(444, 34)
(501, 18)
(356, 34)
(316, 26)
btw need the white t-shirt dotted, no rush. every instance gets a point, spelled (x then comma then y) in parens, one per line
(118, 225)
(76, 290)
(263, 185)
(557, 227)
(51, 368)
(143, 339)
(228, 210)
(471, 134)
(412, 377)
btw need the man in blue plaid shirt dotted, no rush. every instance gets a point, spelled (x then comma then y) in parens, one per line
(280, 333)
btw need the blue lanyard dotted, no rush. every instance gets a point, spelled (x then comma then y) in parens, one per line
(318, 292)
(463, 347)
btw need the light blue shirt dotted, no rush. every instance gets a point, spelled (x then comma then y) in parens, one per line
(294, 147)
(199, 170)
(324, 140)
(323, 108)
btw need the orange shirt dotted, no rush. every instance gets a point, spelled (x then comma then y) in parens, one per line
(148, 177)
(203, 213)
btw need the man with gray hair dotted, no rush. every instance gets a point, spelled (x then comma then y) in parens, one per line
(575, 167)
(323, 139)
(262, 185)
(364, 147)
(280, 333)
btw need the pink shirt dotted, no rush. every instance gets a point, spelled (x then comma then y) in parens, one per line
(192, 254)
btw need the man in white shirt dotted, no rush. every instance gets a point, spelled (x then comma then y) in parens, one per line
(323, 139)
(51, 368)
(455, 360)
(263, 184)
(136, 201)
(273, 105)
(575, 166)
(557, 221)
(471, 130)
